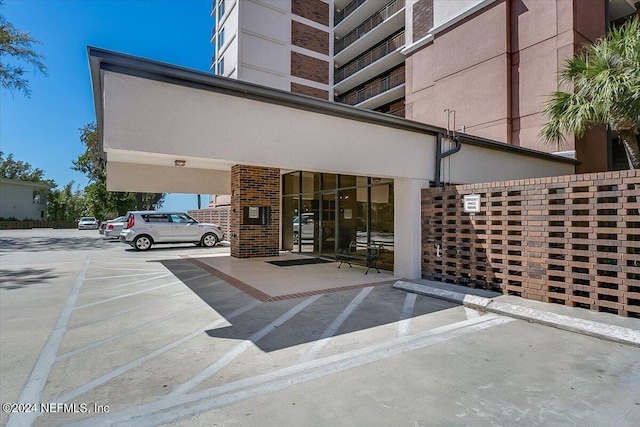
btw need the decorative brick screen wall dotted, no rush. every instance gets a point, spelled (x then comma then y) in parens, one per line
(254, 186)
(571, 240)
(220, 216)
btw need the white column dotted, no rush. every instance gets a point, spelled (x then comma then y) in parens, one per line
(407, 233)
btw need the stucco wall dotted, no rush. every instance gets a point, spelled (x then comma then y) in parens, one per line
(497, 66)
(16, 201)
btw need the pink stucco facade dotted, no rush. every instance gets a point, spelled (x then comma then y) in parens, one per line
(497, 66)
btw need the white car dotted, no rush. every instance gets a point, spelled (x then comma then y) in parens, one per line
(307, 227)
(88, 223)
(142, 229)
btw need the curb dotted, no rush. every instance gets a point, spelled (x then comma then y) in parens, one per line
(600, 330)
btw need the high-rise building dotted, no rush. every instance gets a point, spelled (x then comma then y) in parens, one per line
(335, 50)
(490, 64)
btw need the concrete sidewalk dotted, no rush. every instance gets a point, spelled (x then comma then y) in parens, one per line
(605, 326)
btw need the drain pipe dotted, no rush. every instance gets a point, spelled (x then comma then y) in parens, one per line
(440, 155)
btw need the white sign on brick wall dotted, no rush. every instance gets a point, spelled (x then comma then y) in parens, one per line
(472, 203)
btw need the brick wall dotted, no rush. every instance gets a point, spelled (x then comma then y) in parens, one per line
(314, 10)
(309, 38)
(309, 68)
(254, 186)
(220, 216)
(311, 91)
(572, 240)
(422, 18)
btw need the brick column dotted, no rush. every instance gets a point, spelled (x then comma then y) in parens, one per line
(254, 186)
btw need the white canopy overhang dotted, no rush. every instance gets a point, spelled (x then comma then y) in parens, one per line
(151, 114)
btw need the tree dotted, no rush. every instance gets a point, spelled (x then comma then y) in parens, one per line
(23, 171)
(17, 45)
(102, 203)
(66, 204)
(606, 90)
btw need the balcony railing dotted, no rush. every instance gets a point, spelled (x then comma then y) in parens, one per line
(388, 82)
(348, 9)
(373, 21)
(369, 58)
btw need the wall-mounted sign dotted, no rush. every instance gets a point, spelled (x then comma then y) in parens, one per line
(471, 203)
(256, 215)
(254, 212)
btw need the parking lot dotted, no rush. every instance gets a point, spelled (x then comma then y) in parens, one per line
(94, 333)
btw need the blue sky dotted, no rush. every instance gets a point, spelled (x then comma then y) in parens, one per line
(43, 129)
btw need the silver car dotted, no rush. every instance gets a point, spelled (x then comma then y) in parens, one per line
(88, 223)
(146, 228)
(113, 227)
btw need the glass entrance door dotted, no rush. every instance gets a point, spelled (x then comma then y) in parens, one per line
(327, 225)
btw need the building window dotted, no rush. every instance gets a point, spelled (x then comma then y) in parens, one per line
(221, 9)
(220, 38)
(221, 67)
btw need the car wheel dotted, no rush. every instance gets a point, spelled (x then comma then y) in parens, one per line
(209, 240)
(142, 243)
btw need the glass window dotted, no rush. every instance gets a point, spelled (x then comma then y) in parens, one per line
(329, 181)
(221, 67)
(221, 38)
(221, 9)
(291, 183)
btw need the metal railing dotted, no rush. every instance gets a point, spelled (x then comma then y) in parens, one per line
(373, 21)
(361, 95)
(368, 58)
(348, 9)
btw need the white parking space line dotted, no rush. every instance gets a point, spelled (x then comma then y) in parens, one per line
(332, 329)
(122, 334)
(121, 312)
(173, 408)
(241, 348)
(118, 277)
(405, 315)
(103, 301)
(158, 270)
(134, 364)
(140, 281)
(32, 391)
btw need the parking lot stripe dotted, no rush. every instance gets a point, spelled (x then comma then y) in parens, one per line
(241, 348)
(122, 334)
(331, 330)
(124, 368)
(91, 304)
(406, 314)
(118, 277)
(141, 281)
(32, 391)
(173, 408)
(121, 312)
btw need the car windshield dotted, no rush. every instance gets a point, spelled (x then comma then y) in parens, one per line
(87, 218)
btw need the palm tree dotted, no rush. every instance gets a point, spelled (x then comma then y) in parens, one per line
(606, 90)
